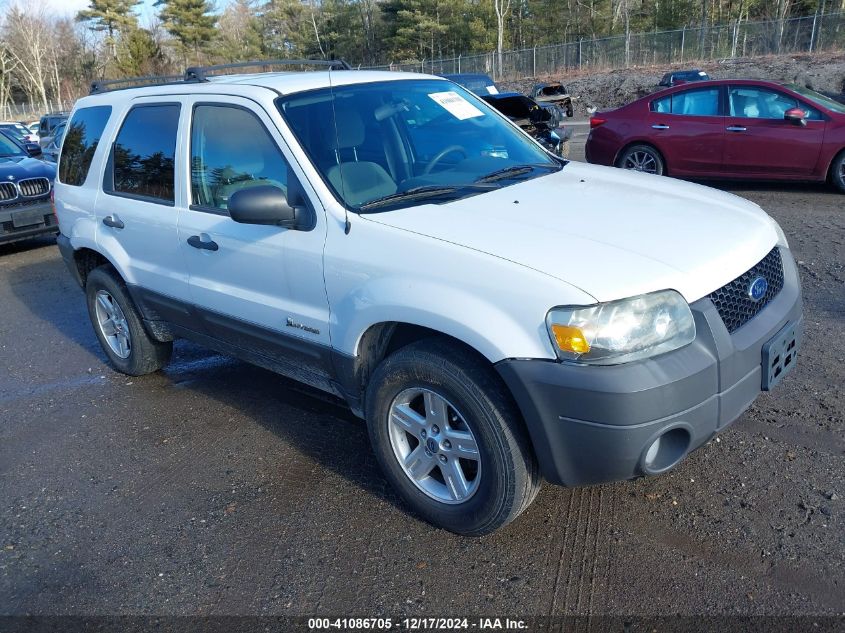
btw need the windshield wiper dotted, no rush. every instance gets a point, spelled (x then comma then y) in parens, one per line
(420, 193)
(515, 171)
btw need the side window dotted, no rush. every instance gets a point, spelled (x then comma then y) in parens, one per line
(697, 102)
(761, 103)
(82, 137)
(664, 104)
(231, 150)
(142, 157)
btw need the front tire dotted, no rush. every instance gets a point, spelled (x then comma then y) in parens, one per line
(449, 438)
(837, 171)
(644, 158)
(118, 325)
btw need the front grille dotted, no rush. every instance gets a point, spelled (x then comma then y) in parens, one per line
(32, 187)
(8, 191)
(732, 301)
(24, 203)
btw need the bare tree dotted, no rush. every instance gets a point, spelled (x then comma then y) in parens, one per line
(7, 67)
(502, 8)
(28, 39)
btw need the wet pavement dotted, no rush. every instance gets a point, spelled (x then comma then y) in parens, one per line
(214, 487)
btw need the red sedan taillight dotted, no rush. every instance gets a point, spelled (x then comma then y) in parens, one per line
(596, 121)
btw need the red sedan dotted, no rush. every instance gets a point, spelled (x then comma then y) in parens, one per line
(726, 129)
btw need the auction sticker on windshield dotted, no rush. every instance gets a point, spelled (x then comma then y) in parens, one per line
(457, 106)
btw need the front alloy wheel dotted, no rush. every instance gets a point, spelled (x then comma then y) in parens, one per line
(449, 437)
(434, 445)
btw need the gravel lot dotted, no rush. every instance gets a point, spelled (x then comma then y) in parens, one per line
(218, 488)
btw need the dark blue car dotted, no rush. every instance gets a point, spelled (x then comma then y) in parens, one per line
(25, 185)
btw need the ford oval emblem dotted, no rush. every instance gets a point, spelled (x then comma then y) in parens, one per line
(757, 288)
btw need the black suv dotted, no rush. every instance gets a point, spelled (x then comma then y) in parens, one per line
(48, 124)
(679, 77)
(25, 184)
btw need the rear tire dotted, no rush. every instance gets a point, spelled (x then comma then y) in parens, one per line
(118, 325)
(644, 158)
(837, 171)
(435, 408)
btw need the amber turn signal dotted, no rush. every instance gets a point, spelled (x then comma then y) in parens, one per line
(570, 339)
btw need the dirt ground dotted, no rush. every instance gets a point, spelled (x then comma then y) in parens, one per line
(611, 89)
(214, 487)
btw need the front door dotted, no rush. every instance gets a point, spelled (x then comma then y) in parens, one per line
(760, 142)
(258, 288)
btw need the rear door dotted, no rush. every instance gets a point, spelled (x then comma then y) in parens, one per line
(689, 129)
(137, 210)
(760, 142)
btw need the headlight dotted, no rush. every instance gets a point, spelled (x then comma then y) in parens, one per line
(621, 331)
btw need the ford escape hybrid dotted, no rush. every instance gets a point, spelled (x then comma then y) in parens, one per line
(497, 315)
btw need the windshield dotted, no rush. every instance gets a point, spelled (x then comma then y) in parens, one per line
(15, 129)
(430, 139)
(820, 99)
(9, 148)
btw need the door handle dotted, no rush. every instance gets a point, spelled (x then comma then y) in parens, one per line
(113, 221)
(735, 128)
(196, 242)
(660, 126)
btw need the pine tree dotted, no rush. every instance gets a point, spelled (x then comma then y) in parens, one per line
(287, 28)
(191, 22)
(110, 16)
(139, 54)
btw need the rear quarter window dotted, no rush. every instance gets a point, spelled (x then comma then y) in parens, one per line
(141, 164)
(81, 139)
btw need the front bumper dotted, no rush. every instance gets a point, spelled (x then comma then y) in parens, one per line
(42, 221)
(593, 424)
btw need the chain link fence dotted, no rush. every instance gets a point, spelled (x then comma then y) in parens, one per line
(747, 39)
(28, 112)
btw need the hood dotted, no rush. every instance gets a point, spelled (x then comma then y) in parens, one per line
(21, 167)
(610, 232)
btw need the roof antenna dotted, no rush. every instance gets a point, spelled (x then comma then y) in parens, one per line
(346, 224)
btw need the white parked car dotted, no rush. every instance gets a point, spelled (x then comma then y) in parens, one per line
(497, 315)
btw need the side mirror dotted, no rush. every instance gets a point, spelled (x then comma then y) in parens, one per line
(265, 204)
(34, 150)
(796, 116)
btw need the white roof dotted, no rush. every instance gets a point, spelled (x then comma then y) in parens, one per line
(278, 82)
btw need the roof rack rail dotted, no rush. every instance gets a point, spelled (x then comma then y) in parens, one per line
(196, 74)
(106, 85)
(202, 73)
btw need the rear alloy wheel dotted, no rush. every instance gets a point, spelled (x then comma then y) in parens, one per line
(449, 437)
(642, 158)
(837, 172)
(119, 327)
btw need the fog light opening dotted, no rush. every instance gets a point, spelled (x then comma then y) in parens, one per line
(666, 451)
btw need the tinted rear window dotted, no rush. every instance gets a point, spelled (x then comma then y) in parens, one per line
(142, 158)
(82, 137)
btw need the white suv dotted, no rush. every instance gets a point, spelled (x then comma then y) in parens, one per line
(498, 315)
